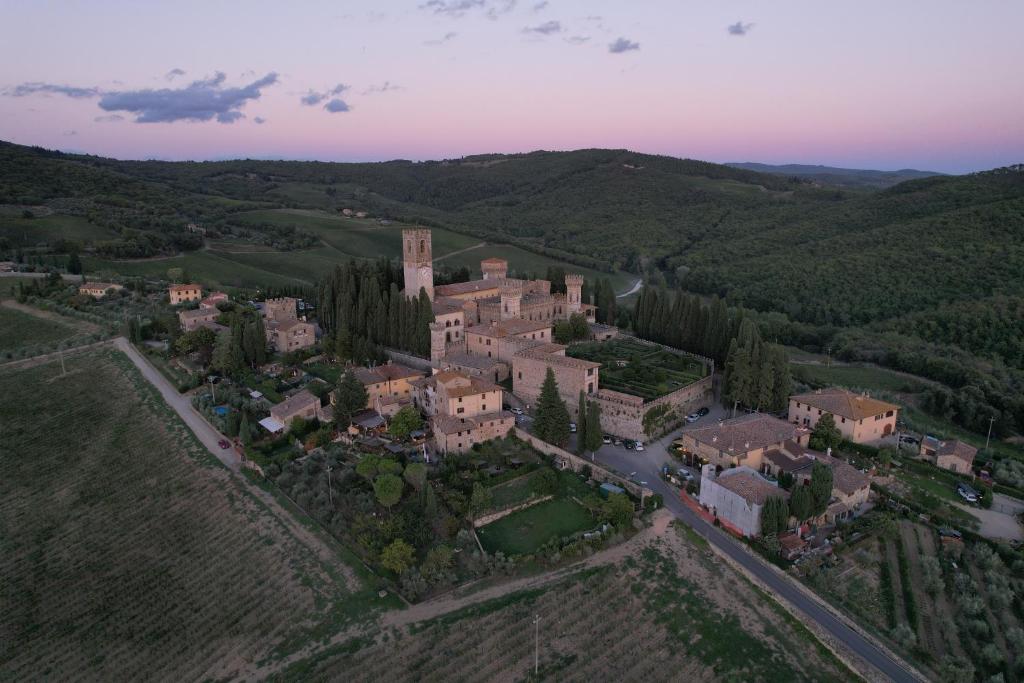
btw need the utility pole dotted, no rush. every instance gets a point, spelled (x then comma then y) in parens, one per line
(536, 645)
(330, 494)
(828, 356)
(989, 435)
(63, 371)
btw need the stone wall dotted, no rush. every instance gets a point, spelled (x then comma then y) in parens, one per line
(408, 360)
(566, 460)
(623, 414)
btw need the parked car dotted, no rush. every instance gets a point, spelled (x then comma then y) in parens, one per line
(572, 427)
(516, 411)
(224, 443)
(703, 411)
(967, 493)
(629, 444)
(692, 417)
(684, 473)
(617, 441)
(639, 445)
(606, 439)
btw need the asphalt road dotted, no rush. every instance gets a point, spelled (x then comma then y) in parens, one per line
(647, 466)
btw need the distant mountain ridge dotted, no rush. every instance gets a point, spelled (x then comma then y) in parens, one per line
(841, 177)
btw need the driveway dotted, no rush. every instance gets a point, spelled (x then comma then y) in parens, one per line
(1000, 522)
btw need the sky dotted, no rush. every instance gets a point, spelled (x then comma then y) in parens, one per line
(929, 84)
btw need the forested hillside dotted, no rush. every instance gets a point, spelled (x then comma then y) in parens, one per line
(839, 177)
(926, 276)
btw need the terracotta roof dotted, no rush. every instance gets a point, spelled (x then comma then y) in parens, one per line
(182, 288)
(492, 261)
(957, 449)
(466, 287)
(470, 360)
(749, 486)
(446, 424)
(285, 325)
(445, 305)
(551, 354)
(845, 403)
(199, 313)
(102, 286)
(509, 328)
(294, 404)
(384, 373)
(845, 476)
(745, 433)
(787, 463)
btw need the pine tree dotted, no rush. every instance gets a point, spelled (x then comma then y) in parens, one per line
(552, 417)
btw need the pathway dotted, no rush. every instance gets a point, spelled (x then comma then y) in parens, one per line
(632, 290)
(460, 251)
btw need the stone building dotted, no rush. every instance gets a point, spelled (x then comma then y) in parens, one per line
(417, 262)
(463, 410)
(737, 497)
(383, 382)
(860, 418)
(850, 486)
(98, 290)
(285, 332)
(179, 294)
(955, 456)
(529, 368)
(741, 441)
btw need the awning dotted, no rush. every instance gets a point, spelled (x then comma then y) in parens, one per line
(272, 425)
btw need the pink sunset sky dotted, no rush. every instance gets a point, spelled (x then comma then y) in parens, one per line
(934, 85)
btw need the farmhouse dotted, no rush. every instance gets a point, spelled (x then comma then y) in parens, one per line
(952, 455)
(285, 331)
(200, 317)
(860, 418)
(463, 410)
(737, 497)
(390, 381)
(303, 404)
(741, 441)
(98, 289)
(850, 486)
(179, 294)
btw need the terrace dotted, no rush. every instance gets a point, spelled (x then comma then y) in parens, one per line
(633, 367)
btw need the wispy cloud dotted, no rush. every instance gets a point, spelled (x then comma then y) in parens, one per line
(314, 97)
(259, 120)
(202, 100)
(577, 40)
(452, 8)
(442, 40)
(538, 6)
(108, 118)
(37, 88)
(386, 86)
(174, 73)
(545, 29)
(739, 28)
(496, 9)
(622, 45)
(336, 106)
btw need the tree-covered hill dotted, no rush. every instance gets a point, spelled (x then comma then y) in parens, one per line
(839, 177)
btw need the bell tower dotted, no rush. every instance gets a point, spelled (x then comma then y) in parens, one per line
(573, 292)
(417, 262)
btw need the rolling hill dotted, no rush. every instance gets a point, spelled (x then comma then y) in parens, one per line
(839, 177)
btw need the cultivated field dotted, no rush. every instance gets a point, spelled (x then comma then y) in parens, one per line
(669, 610)
(29, 232)
(130, 554)
(19, 329)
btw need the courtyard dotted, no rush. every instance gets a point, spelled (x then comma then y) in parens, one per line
(640, 369)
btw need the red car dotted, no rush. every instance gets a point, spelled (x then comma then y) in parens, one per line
(224, 443)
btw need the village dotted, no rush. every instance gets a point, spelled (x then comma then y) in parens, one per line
(524, 431)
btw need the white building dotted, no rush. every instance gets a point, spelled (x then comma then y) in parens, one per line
(736, 497)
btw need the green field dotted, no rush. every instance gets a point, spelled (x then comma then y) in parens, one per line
(208, 267)
(527, 530)
(122, 536)
(865, 377)
(648, 371)
(18, 329)
(28, 232)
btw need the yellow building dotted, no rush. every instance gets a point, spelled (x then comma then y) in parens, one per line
(860, 418)
(179, 294)
(98, 290)
(386, 382)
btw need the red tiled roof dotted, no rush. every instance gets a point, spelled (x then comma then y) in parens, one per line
(845, 403)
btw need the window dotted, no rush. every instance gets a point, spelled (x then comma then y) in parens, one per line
(819, 412)
(843, 419)
(590, 387)
(590, 372)
(459, 412)
(483, 407)
(520, 374)
(460, 399)
(889, 414)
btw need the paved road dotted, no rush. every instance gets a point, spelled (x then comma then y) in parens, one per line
(181, 405)
(647, 466)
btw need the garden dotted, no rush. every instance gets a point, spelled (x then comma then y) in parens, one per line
(640, 369)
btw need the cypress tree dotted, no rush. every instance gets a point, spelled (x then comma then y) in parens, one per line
(581, 424)
(594, 433)
(552, 417)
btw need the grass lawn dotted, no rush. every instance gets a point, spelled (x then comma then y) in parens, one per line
(527, 530)
(649, 371)
(18, 329)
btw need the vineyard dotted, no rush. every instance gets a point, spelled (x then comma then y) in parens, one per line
(129, 553)
(672, 611)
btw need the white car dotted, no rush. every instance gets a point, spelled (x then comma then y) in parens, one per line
(516, 411)
(606, 439)
(639, 445)
(692, 417)
(572, 427)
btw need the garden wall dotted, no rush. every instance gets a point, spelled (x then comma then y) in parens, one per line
(623, 414)
(408, 360)
(566, 460)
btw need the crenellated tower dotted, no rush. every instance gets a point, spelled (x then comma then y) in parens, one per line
(417, 262)
(511, 298)
(573, 292)
(494, 268)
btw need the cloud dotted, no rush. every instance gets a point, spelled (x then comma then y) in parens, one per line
(452, 8)
(170, 75)
(540, 5)
(108, 118)
(69, 133)
(259, 120)
(546, 29)
(493, 12)
(198, 101)
(336, 106)
(387, 86)
(313, 97)
(739, 28)
(577, 40)
(35, 87)
(622, 45)
(443, 39)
